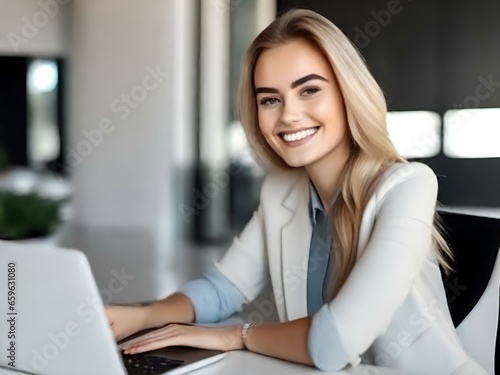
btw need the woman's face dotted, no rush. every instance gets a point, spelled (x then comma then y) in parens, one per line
(301, 111)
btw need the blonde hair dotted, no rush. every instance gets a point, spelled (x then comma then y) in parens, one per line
(372, 151)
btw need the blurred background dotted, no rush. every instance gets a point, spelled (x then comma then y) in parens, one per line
(119, 137)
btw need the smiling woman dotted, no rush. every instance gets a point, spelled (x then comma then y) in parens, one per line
(308, 111)
(338, 202)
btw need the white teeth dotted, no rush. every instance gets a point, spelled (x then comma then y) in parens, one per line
(299, 135)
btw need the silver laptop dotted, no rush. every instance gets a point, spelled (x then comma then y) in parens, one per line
(53, 320)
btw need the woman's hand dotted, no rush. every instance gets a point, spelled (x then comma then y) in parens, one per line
(125, 320)
(215, 338)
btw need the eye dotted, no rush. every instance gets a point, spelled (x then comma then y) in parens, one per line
(310, 91)
(268, 101)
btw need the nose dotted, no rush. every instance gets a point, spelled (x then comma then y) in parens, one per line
(291, 113)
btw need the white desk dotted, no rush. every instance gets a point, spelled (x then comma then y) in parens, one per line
(247, 363)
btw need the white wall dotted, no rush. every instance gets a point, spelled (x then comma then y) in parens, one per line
(184, 109)
(214, 110)
(129, 126)
(34, 27)
(122, 180)
(126, 118)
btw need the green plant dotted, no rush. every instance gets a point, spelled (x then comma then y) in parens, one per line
(25, 216)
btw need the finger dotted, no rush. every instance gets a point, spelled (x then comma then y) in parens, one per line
(192, 337)
(163, 335)
(134, 341)
(153, 344)
(145, 340)
(163, 332)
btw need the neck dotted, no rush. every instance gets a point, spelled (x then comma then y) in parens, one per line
(325, 173)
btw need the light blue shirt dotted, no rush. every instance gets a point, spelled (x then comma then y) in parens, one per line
(215, 298)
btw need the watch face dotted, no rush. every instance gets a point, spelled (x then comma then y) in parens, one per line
(245, 329)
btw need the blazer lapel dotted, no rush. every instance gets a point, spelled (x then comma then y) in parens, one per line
(295, 243)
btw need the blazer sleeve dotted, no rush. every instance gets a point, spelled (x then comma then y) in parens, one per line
(245, 262)
(344, 329)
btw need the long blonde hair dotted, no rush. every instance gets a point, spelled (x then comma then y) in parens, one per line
(372, 151)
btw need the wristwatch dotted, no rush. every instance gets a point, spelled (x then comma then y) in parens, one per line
(244, 332)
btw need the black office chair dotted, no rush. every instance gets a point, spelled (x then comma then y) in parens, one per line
(473, 292)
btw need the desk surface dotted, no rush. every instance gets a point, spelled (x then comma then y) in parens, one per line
(247, 363)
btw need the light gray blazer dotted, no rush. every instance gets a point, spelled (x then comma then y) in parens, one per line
(392, 310)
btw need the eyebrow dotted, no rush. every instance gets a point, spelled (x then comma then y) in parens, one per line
(300, 81)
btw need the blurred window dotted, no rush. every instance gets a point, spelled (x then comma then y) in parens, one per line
(43, 132)
(415, 134)
(472, 133)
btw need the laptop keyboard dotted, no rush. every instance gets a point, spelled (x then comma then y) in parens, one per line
(141, 364)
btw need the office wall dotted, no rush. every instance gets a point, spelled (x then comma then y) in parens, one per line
(34, 27)
(130, 127)
(120, 128)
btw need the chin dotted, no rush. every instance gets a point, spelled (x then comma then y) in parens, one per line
(295, 165)
(302, 162)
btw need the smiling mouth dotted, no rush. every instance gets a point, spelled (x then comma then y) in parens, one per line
(297, 136)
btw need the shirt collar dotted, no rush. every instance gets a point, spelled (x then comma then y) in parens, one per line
(315, 203)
